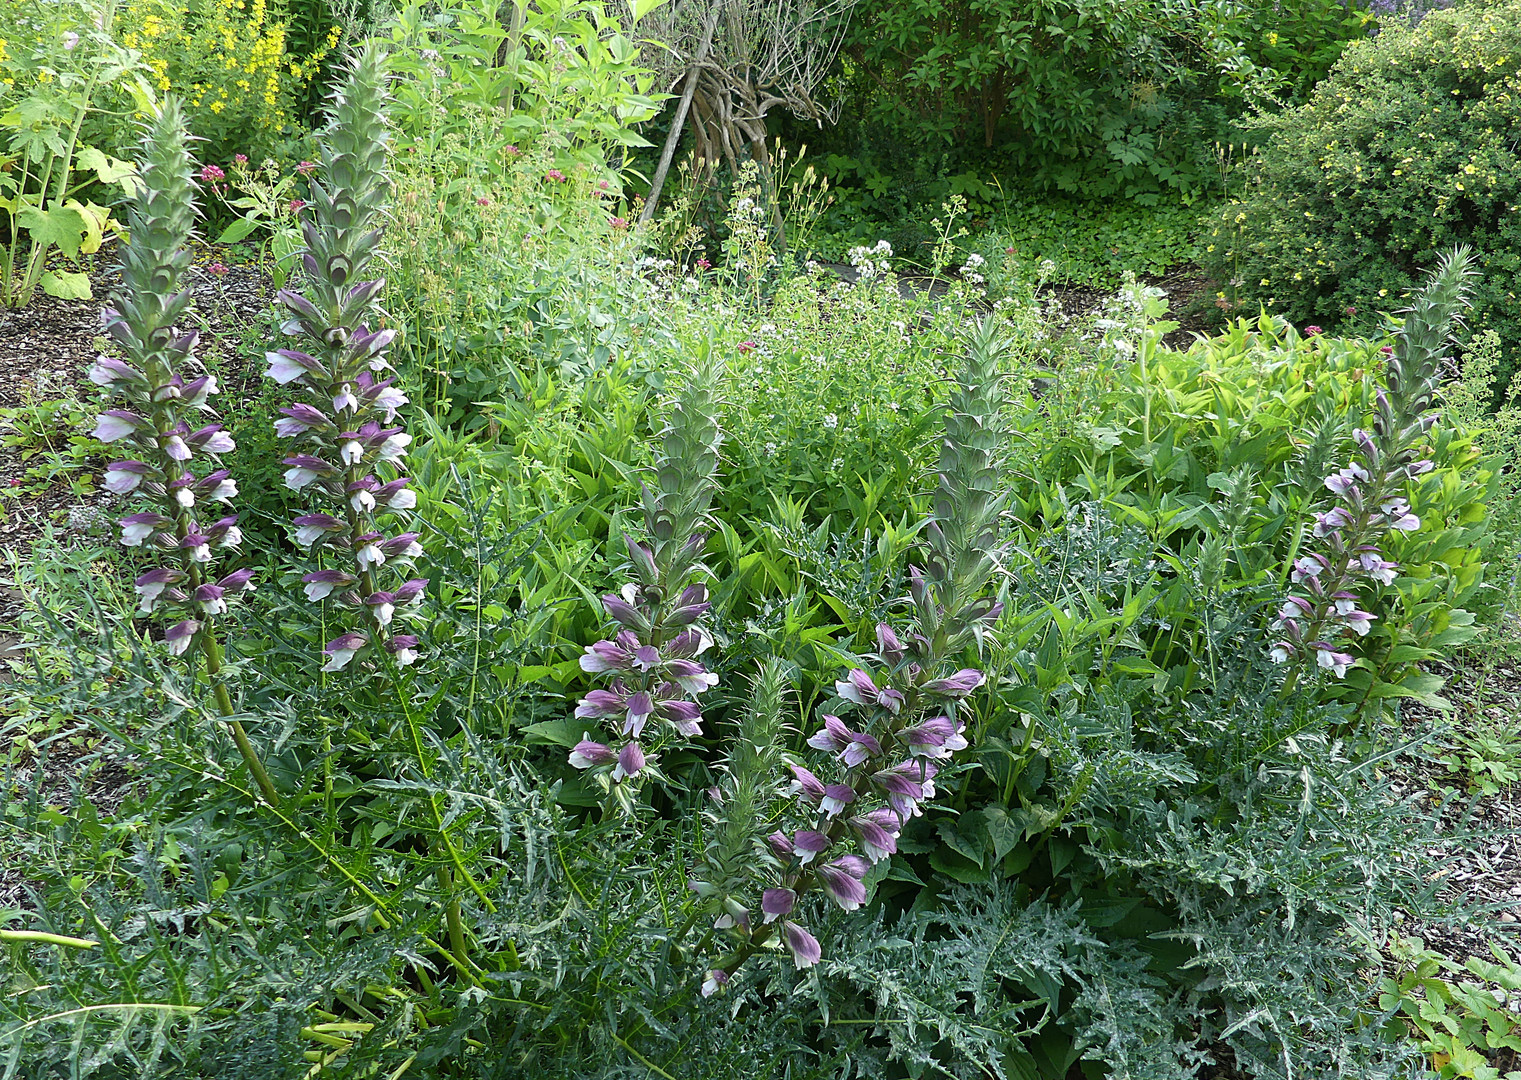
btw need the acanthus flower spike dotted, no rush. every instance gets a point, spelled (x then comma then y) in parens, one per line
(888, 732)
(348, 452)
(159, 415)
(1372, 492)
(652, 677)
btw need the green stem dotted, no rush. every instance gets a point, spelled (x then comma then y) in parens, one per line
(213, 653)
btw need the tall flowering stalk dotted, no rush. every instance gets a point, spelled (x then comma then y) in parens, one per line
(651, 664)
(1333, 582)
(160, 415)
(347, 451)
(868, 777)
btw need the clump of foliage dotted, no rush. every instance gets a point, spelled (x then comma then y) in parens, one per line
(61, 71)
(232, 63)
(1097, 99)
(1405, 149)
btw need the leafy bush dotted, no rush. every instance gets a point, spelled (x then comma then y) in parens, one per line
(60, 74)
(1161, 436)
(1406, 148)
(1092, 98)
(229, 60)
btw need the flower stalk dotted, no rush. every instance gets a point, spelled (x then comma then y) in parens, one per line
(866, 781)
(159, 413)
(347, 450)
(1334, 584)
(651, 663)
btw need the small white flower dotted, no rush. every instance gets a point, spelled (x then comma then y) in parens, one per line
(395, 447)
(121, 481)
(134, 535)
(369, 555)
(185, 497)
(283, 369)
(148, 596)
(297, 478)
(110, 428)
(831, 421)
(390, 399)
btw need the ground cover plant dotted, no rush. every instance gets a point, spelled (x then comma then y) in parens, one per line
(557, 659)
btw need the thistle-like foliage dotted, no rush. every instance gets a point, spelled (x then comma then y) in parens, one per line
(1328, 602)
(348, 450)
(652, 661)
(867, 780)
(161, 412)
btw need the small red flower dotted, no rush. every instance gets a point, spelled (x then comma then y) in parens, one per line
(618, 222)
(1312, 331)
(296, 205)
(703, 264)
(556, 175)
(1349, 311)
(1387, 350)
(481, 200)
(1008, 251)
(306, 168)
(15, 481)
(217, 268)
(240, 159)
(211, 173)
(745, 346)
(511, 150)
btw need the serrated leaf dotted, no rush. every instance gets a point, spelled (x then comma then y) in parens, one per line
(63, 227)
(1004, 833)
(108, 169)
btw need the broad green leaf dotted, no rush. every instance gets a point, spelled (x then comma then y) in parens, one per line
(66, 285)
(238, 230)
(95, 219)
(563, 732)
(1004, 833)
(63, 227)
(640, 8)
(108, 169)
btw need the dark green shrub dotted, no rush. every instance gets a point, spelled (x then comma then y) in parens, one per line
(1405, 149)
(1097, 97)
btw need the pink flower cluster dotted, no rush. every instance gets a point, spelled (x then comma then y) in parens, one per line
(1326, 606)
(653, 667)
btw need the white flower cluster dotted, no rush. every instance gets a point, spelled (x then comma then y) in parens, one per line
(869, 262)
